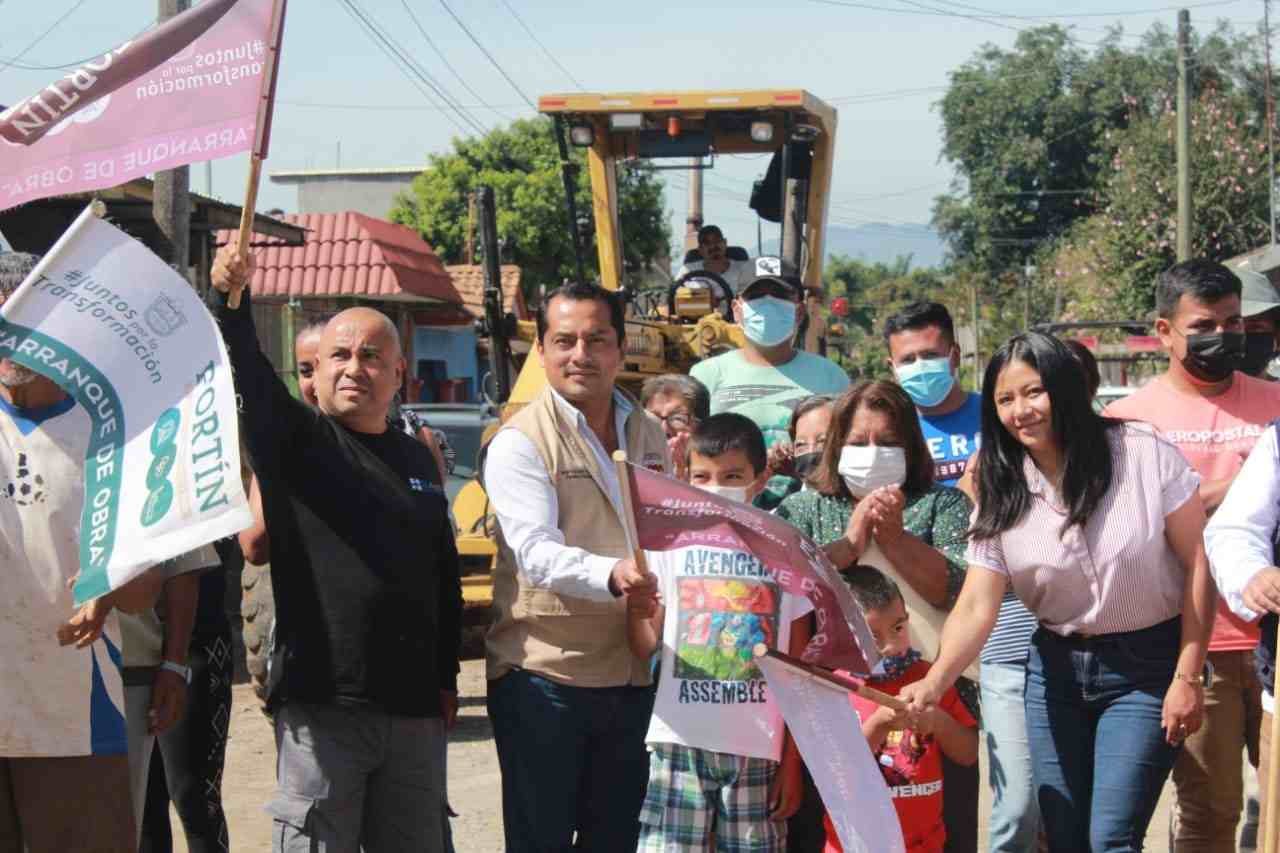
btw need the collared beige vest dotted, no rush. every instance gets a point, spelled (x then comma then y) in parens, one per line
(570, 640)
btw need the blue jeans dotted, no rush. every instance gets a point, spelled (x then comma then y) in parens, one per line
(1098, 754)
(1015, 814)
(572, 759)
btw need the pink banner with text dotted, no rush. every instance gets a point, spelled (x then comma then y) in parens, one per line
(185, 92)
(673, 514)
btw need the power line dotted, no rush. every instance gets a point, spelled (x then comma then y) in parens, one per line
(67, 14)
(11, 62)
(549, 54)
(488, 55)
(934, 11)
(401, 63)
(394, 107)
(446, 62)
(415, 69)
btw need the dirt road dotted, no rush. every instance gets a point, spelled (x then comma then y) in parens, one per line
(474, 784)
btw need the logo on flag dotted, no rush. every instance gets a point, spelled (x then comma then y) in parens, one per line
(186, 91)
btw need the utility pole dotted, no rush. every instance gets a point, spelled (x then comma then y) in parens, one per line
(977, 339)
(1184, 139)
(1026, 295)
(1271, 119)
(495, 318)
(171, 197)
(694, 220)
(469, 252)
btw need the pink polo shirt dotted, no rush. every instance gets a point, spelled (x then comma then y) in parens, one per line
(1215, 434)
(1116, 574)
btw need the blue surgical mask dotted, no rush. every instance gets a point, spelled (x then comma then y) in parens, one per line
(768, 321)
(927, 381)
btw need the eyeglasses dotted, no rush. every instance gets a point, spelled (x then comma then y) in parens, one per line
(676, 420)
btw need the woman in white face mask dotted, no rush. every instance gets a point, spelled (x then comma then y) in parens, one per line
(874, 485)
(873, 490)
(873, 499)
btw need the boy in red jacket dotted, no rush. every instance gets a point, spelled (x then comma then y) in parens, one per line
(909, 758)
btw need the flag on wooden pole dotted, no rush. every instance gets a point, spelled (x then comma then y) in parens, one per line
(189, 90)
(670, 513)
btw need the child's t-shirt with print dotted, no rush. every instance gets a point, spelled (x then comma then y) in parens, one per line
(912, 768)
(719, 604)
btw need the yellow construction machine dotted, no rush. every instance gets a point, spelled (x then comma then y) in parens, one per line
(668, 330)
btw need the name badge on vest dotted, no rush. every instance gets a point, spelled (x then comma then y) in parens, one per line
(655, 462)
(575, 474)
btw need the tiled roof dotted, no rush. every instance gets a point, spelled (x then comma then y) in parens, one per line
(352, 255)
(469, 282)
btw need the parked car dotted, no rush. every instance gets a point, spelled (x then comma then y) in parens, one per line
(1108, 394)
(463, 426)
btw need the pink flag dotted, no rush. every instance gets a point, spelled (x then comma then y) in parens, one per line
(828, 734)
(187, 91)
(671, 514)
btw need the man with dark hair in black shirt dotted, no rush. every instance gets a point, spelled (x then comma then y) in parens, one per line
(363, 677)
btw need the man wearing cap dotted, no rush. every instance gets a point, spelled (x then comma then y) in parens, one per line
(767, 377)
(715, 258)
(1260, 306)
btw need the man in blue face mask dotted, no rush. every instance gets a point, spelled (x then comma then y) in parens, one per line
(768, 377)
(924, 357)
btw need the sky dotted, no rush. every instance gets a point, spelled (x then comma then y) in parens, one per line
(882, 63)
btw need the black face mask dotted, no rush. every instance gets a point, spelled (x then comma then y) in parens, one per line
(1212, 357)
(1259, 349)
(806, 463)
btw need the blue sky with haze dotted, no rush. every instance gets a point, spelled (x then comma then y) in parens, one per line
(870, 62)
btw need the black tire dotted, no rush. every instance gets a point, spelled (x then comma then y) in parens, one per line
(258, 616)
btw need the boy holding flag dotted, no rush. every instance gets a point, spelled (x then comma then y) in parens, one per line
(909, 753)
(721, 761)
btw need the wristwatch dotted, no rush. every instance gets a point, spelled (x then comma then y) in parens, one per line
(184, 671)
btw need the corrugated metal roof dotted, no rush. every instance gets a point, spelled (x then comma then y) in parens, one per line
(351, 255)
(469, 282)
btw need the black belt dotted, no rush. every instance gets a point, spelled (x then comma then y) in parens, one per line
(1083, 640)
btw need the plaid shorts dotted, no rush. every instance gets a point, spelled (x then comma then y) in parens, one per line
(699, 800)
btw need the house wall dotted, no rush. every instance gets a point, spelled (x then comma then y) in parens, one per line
(370, 194)
(455, 346)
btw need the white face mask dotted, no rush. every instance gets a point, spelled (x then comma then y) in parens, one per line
(865, 469)
(733, 493)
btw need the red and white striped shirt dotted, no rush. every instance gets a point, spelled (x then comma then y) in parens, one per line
(1118, 573)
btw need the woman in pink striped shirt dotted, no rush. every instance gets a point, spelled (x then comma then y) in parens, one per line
(1097, 526)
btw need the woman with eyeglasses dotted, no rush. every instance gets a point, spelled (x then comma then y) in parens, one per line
(1097, 525)
(679, 402)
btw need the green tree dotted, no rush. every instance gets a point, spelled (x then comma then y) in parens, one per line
(1032, 131)
(1108, 263)
(522, 164)
(874, 291)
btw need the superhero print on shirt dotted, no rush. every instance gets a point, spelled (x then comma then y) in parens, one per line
(720, 622)
(900, 757)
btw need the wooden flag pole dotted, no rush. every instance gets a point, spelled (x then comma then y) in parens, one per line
(853, 685)
(1271, 831)
(266, 103)
(628, 510)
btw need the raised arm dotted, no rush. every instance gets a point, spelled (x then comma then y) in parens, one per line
(270, 414)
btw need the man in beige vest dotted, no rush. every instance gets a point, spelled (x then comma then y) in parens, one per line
(569, 703)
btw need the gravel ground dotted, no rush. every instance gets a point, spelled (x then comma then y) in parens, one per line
(474, 782)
